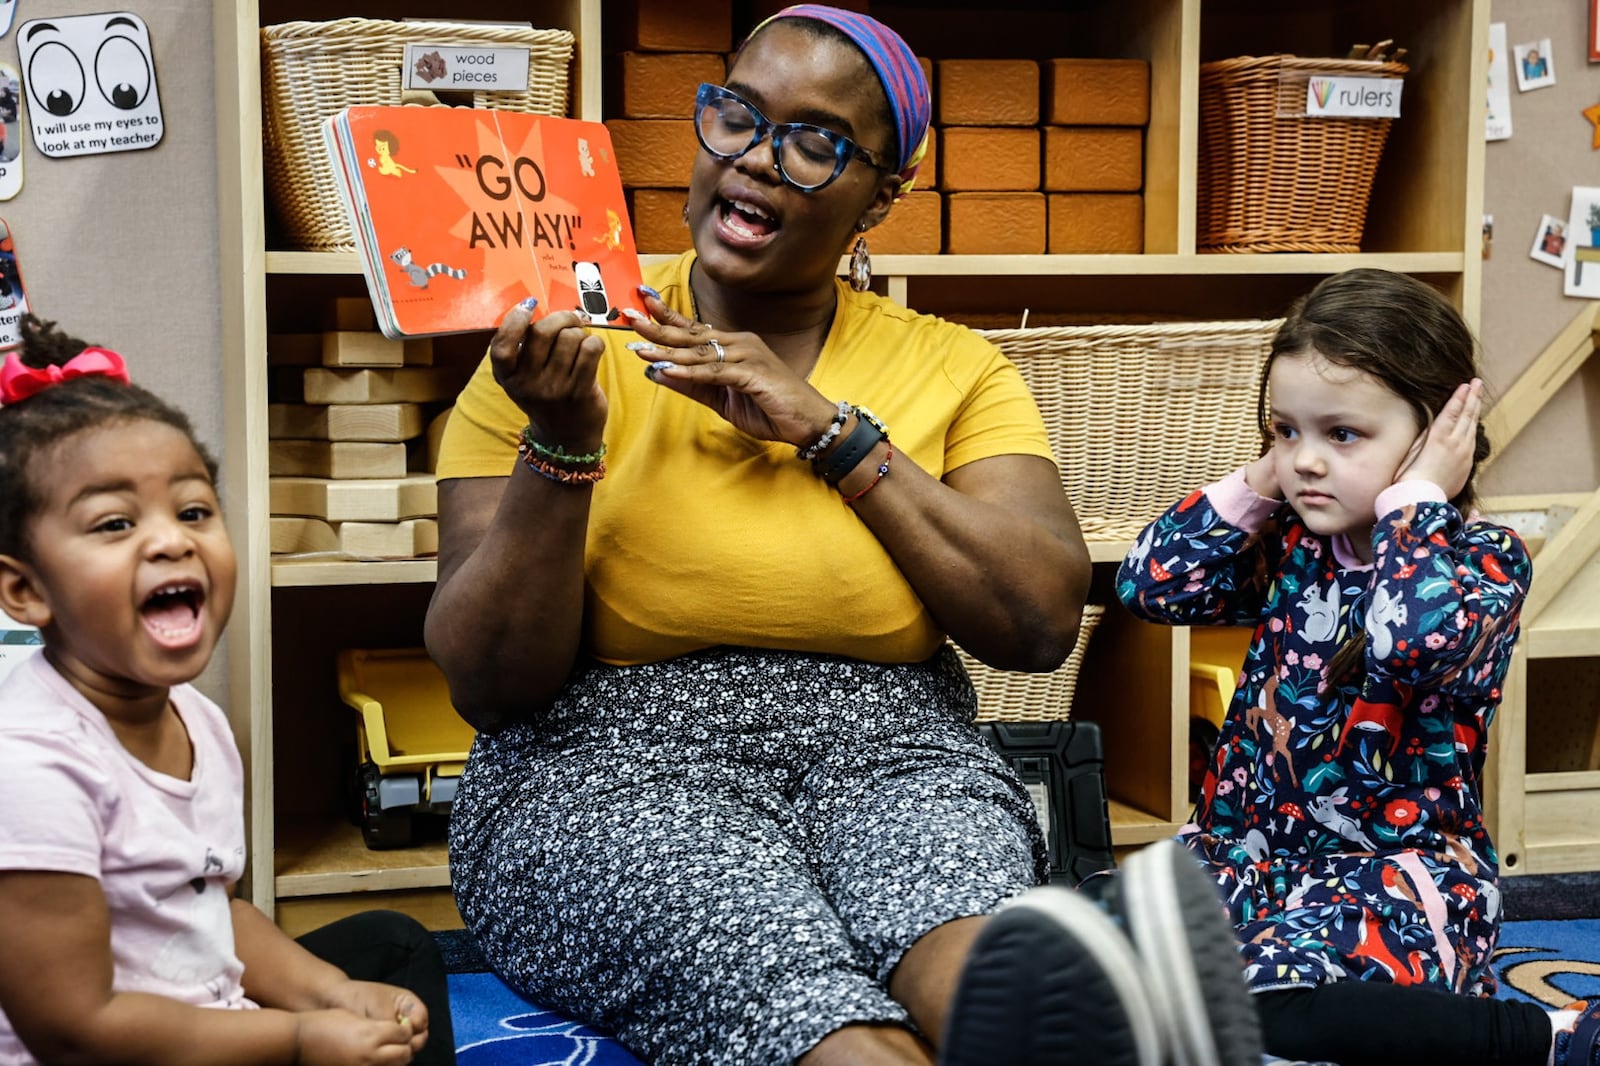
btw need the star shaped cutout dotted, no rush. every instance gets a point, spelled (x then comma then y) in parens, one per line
(1593, 115)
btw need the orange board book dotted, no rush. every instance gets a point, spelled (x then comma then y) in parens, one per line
(459, 213)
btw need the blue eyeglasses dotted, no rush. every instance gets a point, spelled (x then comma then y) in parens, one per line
(808, 157)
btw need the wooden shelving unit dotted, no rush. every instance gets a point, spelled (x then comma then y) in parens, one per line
(1424, 220)
(1548, 768)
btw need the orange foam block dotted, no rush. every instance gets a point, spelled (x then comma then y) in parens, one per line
(995, 223)
(1096, 92)
(1093, 159)
(681, 26)
(1096, 223)
(663, 84)
(988, 92)
(653, 153)
(988, 159)
(914, 226)
(658, 221)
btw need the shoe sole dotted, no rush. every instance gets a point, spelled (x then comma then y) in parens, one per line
(1191, 958)
(1051, 980)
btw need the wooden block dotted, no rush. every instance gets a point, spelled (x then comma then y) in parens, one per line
(344, 421)
(336, 459)
(350, 313)
(658, 220)
(988, 159)
(988, 92)
(654, 153)
(682, 26)
(915, 226)
(1096, 92)
(353, 348)
(1096, 223)
(294, 349)
(390, 540)
(1093, 159)
(287, 534)
(409, 384)
(663, 84)
(363, 500)
(995, 223)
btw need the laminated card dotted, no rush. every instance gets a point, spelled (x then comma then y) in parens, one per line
(459, 213)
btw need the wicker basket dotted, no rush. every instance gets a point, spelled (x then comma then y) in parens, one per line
(1272, 179)
(310, 70)
(1008, 696)
(1140, 415)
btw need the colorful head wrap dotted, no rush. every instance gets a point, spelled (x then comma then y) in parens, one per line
(897, 68)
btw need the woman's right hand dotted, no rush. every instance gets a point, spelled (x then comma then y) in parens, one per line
(340, 1038)
(547, 368)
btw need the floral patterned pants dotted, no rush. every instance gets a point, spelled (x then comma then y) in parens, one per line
(721, 858)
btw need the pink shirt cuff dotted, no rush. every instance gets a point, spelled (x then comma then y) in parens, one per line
(1238, 504)
(1401, 493)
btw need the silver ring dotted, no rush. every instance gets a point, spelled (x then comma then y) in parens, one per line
(716, 346)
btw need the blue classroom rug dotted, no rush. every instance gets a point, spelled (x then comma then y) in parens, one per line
(1549, 961)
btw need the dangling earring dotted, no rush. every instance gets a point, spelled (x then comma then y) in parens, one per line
(686, 212)
(860, 265)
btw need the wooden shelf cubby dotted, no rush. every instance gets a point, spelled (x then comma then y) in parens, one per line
(308, 864)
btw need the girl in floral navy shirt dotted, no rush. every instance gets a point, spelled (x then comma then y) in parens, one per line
(1341, 811)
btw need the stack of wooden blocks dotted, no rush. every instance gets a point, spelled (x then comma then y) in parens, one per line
(1042, 158)
(1026, 158)
(347, 401)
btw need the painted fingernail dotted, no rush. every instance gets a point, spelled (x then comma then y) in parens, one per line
(529, 304)
(635, 315)
(655, 368)
(648, 291)
(640, 346)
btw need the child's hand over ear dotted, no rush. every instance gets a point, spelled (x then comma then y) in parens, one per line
(1262, 477)
(1444, 455)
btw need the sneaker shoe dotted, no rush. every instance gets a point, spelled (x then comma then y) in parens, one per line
(1051, 979)
(1174, 916)
(1580, 1045)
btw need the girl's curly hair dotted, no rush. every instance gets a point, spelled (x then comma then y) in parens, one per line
(31, 427)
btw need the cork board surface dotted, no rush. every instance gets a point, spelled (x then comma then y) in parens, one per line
(122, 249)
(1523, 308)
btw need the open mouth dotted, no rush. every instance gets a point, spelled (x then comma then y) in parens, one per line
(746, 220)
(171, 613)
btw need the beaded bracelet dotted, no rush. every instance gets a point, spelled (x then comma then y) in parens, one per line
(559, 473)
(558, 454)
(818, 446)
(854, 448)
(883, 472)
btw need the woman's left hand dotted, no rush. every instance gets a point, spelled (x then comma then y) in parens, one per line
(734, 374)
(1444, 455)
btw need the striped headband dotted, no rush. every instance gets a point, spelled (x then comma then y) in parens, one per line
(897, 68)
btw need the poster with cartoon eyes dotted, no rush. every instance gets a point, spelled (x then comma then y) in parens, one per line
(90, 84)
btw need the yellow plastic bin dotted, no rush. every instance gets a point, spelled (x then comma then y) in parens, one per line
(412, 743)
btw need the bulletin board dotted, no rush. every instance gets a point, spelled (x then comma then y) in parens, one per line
(1523, 307)
(121, 249)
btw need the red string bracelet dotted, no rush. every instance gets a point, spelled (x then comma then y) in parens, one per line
(883, 472)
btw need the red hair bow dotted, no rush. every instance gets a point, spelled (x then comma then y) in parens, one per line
(18, 382)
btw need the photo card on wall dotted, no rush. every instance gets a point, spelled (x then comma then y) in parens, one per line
(1583, 243)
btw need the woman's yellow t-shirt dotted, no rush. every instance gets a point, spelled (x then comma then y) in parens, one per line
(701, 535)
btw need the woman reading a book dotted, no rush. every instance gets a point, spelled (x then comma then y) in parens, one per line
(695, 585)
